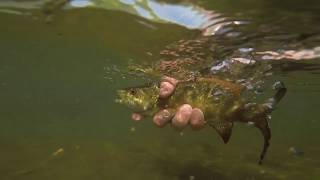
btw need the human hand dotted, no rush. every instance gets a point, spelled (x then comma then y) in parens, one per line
(179, 118)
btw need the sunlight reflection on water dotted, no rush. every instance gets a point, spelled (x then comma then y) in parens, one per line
(184, 14)
(80, 3)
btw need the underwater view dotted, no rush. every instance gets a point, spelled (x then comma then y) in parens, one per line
(159, 90)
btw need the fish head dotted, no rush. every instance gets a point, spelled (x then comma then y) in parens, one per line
(139, 99)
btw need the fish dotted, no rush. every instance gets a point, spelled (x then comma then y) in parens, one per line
(222, 102)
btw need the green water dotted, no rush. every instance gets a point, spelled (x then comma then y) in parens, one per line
(58, 77)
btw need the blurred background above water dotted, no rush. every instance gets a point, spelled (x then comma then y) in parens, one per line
(62, 61)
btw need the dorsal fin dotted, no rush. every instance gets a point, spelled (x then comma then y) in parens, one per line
(224, 129)
(272, 102)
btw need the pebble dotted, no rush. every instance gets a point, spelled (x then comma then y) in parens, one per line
(59, 151)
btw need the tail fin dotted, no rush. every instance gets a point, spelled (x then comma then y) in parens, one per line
(263, 121)
(264, 127)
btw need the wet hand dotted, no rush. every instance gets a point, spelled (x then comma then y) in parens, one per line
(182, 117)
(185, 115)
(167, 87)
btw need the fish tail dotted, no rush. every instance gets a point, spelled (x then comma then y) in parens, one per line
(264, 127)
(262, 123)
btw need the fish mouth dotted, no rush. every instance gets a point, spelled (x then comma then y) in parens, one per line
(118, 100)
(120, 96)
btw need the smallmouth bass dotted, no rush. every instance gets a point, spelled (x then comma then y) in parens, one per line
(222, 103)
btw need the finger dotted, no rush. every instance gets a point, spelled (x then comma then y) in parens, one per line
(171, 80)
(197, 121)
(182, 117)
(137, 116)
(166, 89)
(162, 118)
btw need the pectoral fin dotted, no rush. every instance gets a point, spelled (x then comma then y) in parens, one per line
(224, 129)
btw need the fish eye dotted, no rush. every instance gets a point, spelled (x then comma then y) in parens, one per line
(132, 92)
